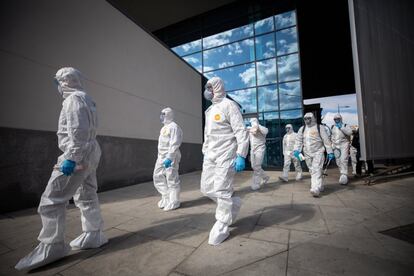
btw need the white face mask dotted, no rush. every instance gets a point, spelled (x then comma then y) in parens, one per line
(208, 95)
(162, 117)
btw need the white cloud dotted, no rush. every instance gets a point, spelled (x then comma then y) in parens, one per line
(267, 21)
(226, 64)
(248, 42)
(191, 46)
(248, 76)
(288, 65)
(191, 59)
(331, 103)
(286, 19)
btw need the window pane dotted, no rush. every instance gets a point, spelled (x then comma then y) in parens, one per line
(271, 121)
(265, 46)
(228, 36)
(285, 20)
(289, 95)
(188, 48)
(266, 72)
(293, 117)
(264, 26)
(274, 157)
(194, 60)
(237, 77)
(268, 100)
(288, 67)
(228, 55)
(246, 98)
(287, 41)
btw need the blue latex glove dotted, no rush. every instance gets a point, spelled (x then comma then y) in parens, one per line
(296, 154)
(331, 156)
(67, 167)
(167, 163)
(240, 163)
(339, 125)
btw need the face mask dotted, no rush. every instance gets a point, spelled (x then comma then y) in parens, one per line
(162, 117)
(288, 129)
(208, 95)
(307, 121)
(59, 88)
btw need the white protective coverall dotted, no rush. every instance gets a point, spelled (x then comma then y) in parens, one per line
(257, 135)
(313, 143)
(225, 137)
(340, 140)
(77, 140)
(166, 180)
(288, 147)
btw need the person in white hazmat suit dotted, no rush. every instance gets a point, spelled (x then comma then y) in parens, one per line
(225, 148)
(340, 138)
(313, 140)
(74, 177)
(257, 135)
(288, 147)
(166, 178)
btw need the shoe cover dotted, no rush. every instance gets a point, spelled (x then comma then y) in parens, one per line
(43, 254)
(343, 179)
(283, 178)
(298, 176)
(88, 240)
(315, 193)
(265, 180)
(255, 187)
(163, 202)
(218, 233)
(172, 206)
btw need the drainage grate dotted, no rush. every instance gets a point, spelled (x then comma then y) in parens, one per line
(404, 233)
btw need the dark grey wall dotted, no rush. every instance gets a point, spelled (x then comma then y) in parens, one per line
(385, 45)
(29, 155)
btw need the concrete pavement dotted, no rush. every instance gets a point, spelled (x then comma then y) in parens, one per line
(281, 230)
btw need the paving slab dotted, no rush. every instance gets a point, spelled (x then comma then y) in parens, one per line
(228, 256)
(136, 255)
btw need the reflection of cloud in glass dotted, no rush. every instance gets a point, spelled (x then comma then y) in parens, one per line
(194, 60)
(188, 48)
(263, 26)
(237, 77)
(265, 46)
(228, 36)
(291, 115)
(286, 41)
(288, 67)
(227, 55)
(286, 19)
(266, 72)
(246, 98)
(270, 115)
(290, 95)
(268, 100)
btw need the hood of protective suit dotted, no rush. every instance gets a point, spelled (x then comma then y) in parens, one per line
(69, 80)
(338, 116)
(254, 122)
(168, 115)
(291, 128)
(313, 119)
(218, 89)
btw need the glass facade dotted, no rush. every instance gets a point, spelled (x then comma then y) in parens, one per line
(259, 63)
